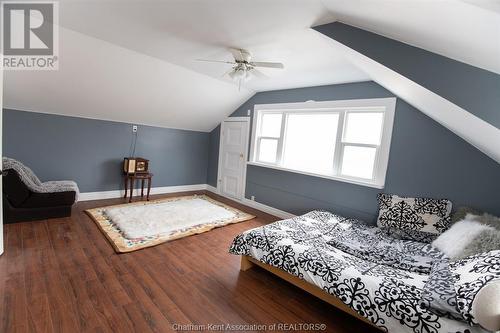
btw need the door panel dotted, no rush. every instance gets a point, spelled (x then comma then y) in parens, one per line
(234, 135)
(234, 141)
(232, 161)
(230, 186)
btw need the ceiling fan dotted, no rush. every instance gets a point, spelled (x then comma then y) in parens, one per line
(243, 67)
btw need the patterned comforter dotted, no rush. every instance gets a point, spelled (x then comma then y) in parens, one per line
(384, 285)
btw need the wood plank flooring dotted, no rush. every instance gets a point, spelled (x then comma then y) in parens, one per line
(62, 275)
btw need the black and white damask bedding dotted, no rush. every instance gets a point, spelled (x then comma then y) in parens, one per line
(470, 275)
(333, 253)
(370, 243)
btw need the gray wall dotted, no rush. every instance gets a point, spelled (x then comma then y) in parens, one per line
(472, 88)
(91, 151)
(426, 159)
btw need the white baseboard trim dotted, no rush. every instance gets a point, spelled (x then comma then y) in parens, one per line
(212, 189)
(86, 196)
(257, 205)
(267, 209)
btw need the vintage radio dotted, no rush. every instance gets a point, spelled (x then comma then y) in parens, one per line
(132, 165)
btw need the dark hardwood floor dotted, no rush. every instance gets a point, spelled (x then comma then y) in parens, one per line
(62, 275)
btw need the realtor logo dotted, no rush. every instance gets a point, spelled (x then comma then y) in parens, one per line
(29, 35)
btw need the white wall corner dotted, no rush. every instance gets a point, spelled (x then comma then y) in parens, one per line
(212, 189)
(257, 205)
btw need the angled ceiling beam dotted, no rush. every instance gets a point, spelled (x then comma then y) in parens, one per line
(473, 89)
(475, 130)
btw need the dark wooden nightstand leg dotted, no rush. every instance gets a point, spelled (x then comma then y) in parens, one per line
(132, 181)
(149, 188)
(126, 186)
(142, 188)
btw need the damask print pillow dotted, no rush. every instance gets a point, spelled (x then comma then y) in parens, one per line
(470, 275)
(419, 219)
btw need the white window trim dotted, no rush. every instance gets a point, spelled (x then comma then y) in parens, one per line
(386, 105)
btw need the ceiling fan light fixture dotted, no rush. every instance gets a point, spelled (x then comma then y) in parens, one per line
(244, 68)
(239, 74)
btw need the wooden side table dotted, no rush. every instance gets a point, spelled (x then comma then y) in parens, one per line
(131, 178)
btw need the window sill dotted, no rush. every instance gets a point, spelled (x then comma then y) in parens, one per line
(340, 179)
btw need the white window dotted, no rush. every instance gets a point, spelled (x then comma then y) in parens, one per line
(345, 140)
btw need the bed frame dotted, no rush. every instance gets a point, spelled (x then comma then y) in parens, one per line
(248, 262)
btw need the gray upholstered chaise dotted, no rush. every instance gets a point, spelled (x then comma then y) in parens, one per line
(26, 198)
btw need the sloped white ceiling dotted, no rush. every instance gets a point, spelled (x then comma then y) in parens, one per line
(135, 61)
(493, 5)
(181, 32)
(467, 30)
(101, 80)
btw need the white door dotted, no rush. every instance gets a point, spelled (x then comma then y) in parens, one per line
(232, 157)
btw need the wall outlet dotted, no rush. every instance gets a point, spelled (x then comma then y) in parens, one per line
(249, 112)
(252, 198)
(134, 128)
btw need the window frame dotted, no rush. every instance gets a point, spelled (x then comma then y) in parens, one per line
(342, 107)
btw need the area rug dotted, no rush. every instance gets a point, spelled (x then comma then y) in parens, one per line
(133, 226)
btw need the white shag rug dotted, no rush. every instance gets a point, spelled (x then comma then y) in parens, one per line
(165, 217)
(133, 226)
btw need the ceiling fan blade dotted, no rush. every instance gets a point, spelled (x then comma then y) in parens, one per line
(220, 61)
(240, 54)
(229, 71)
(267, 64)
(258, 74)
(232, 74)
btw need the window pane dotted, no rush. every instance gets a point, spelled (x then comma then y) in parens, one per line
(363, 127)
(271, 125)
(310, 142)
(267, 150)
(358, 161)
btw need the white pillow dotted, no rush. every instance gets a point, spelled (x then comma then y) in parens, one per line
(454, 240)
(485, 306)
(470, 276)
